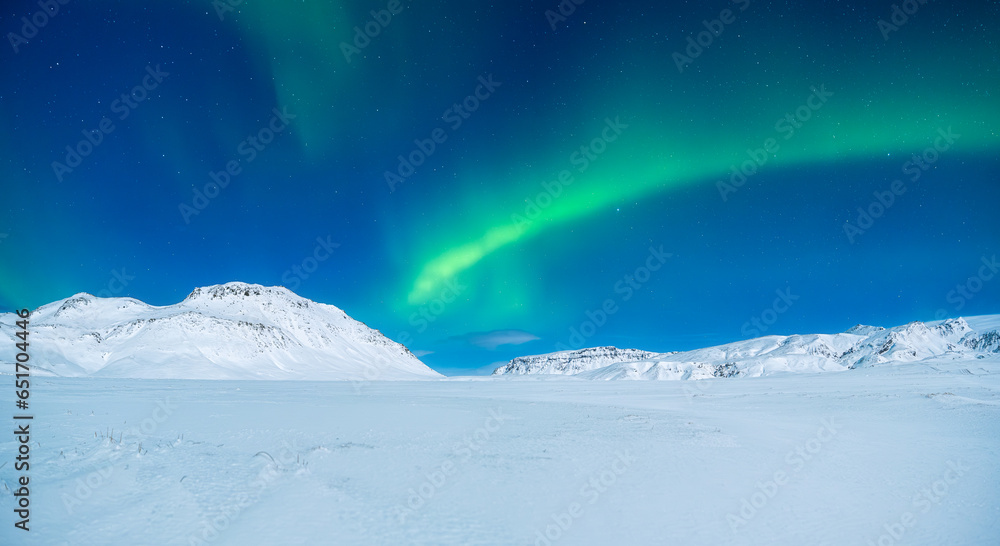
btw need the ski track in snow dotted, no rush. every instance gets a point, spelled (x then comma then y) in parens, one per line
(497, 461)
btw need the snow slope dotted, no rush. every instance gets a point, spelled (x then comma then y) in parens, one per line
(859, 347)
(787, 459)
(230, 331)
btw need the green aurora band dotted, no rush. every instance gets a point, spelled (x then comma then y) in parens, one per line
(639, 166)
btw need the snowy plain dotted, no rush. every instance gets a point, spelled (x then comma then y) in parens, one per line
(900, 454)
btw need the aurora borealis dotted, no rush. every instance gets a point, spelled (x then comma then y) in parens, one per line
(560, 147)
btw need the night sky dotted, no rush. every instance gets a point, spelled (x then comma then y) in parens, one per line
(486, 181)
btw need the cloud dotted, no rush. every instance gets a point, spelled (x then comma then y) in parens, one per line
(496, 338)
(481, 371)
(420, 353)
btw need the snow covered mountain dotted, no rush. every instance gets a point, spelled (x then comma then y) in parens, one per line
(858, 347)
(571, 362)
(229, 331)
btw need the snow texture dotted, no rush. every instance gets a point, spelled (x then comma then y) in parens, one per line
(859, 347)
(230, 331)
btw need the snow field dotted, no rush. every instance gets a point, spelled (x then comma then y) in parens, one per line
(895, 455)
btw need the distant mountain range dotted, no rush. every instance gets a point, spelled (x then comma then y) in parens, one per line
(247, 331)
(859, 347)
(229, 331)
(572, 362)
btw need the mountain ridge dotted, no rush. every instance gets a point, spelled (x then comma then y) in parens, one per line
(229, 331)
(860, 346)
